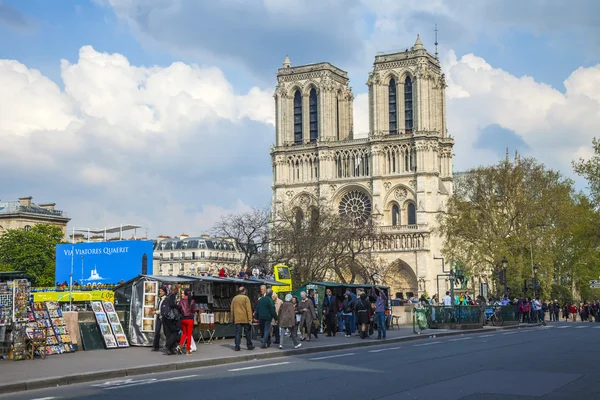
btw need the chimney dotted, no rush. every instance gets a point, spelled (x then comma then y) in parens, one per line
(205, 236)
(25, 201)
(49, 206)
(183, 236)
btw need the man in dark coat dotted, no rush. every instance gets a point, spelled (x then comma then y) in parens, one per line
(330, 311)
(266, 312)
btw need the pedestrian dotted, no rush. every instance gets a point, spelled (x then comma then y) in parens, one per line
(274, 325)
(314, 329)
(162, 295)
(380, 303)
(347, 313)
(330, 310)
(266, 313)
(188, 309)
(361, 308)
(241, 312)
(171, 314)
(307, 310)
(287, 320)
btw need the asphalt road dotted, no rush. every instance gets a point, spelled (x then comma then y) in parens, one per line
(559, 361)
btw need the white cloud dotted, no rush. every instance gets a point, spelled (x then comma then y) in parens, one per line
(555, 125)
(133, 139)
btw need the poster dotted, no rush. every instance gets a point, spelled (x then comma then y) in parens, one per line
(104, 325)
(115, 325)
(150, 296)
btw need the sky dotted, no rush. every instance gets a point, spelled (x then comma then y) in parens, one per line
(160, 113)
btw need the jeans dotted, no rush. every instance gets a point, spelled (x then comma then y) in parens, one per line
(348, 323)
(247, 332)
(352, 323)
(380, 316)
(276, 333)
(265, 329)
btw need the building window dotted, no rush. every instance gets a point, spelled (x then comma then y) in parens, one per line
(393, 107)
(201, 254)
(161, 256)
(395, 215)
(356, 206)
(297, 117)
(408, 105)
(181, 267)
(314, 115)
(193, 255)
(27, 228)
(412, 214)
(299, 219)
(170, 267)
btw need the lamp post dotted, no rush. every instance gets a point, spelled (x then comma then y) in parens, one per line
(503, 273)
(535, 281)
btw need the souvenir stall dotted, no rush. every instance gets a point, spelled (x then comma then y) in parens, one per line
(212, 295)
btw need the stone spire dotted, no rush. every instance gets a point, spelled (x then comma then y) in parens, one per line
(418, 44)
(287, 63)
(507, 157)
(517, 158)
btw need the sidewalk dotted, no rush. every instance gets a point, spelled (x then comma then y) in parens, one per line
(87, 366)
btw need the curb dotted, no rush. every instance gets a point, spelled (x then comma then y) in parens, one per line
(148, 369)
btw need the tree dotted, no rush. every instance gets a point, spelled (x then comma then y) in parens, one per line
(318, 244)
(249, 230)
(32, 251)
(508, 210)
(590, 170)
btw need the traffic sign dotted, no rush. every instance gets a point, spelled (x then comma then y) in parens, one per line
(594, 286)
(594, 282)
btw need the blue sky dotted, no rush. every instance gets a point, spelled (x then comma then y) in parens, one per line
(506, 63)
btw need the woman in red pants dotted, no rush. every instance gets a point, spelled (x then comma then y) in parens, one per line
(188, 308)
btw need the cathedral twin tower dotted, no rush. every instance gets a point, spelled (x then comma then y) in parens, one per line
(400, 175)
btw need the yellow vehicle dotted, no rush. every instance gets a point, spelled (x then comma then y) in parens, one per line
(282, 274)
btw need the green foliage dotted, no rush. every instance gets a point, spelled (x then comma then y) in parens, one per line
(590, 170)
(31, 251)
(528, 214)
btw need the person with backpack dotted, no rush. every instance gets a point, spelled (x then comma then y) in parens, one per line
(170, 312)
(362, 308)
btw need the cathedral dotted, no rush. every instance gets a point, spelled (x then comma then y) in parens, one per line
(400, 175)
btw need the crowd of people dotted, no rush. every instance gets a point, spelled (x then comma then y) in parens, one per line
(293, 317)
(298, 316)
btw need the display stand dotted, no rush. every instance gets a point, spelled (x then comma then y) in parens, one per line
(206, 325)
(109, 324)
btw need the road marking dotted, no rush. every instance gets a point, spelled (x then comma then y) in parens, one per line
(456, 340)
(562, 327)
(44, 398)
(258, 366)
(336, 356)
(580, 327)
(380, 350)
(123, 383)
(597, 327)
(509, 333)
(176, 378)
(426, 344)
(485, 335)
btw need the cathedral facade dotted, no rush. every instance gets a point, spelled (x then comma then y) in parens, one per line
(400, 175)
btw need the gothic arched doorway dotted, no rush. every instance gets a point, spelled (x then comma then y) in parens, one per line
(401, 278)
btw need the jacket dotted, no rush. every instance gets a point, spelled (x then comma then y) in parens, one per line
(266, 309)
(330, 305)
(241, 310)
(187, 311)
(287, 315)
(169, 303)
(278, 304)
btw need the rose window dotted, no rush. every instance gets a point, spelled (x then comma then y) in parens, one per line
(356, 206)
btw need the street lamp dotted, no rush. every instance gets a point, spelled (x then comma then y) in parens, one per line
(535, 281)
(503, 274)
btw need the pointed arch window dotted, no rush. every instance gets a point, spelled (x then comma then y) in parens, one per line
(393, 107)
(297, 117)
(412, 214)
(299, 219)
(408, 105)
(314, 115)
(395, 215)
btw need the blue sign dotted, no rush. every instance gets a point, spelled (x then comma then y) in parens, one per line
(104, 262)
